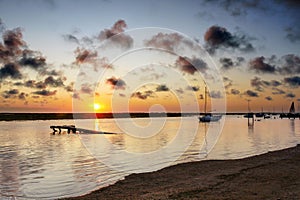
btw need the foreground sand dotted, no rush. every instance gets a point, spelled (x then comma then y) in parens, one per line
(275, 175)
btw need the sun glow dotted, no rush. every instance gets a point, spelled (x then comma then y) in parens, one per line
(97, 106)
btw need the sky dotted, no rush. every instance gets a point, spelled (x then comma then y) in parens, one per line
(149, 56)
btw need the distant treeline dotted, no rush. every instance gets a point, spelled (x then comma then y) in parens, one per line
(53, 116)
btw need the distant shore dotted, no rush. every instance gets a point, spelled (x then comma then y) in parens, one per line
(274, 175)
(55, 116)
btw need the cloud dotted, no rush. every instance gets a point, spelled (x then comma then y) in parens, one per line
(290, 95)
(169, 41)
(218, 37)
(190, 66)
(235, 91)
(293, 33)
(22, 96)
(117, 30)
(277, 91)
(227, 82)
(40, 85)
(251, 93)
(33, 62)
(71, 38)
(76, 95)
(293, 81)
(291, 64)
(69, 88)
(86, 89)
(85, 56)
(45, 92)
(162, 88)
(269, 98)
(13, 40)
(143, 95)
(116, 83)
(11, 70)
(215, 94)
(193, 88)
(228, 63)
(10, 93)
(260, 84)
(54, 82)
(259, 65)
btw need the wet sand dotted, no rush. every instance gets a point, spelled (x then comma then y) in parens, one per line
(274, 175)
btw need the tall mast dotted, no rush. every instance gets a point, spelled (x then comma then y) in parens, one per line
(205, 99)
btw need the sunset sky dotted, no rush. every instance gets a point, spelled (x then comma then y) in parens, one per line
(85, 56)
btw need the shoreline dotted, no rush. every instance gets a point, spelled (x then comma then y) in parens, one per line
(56, 116)
(273, 175)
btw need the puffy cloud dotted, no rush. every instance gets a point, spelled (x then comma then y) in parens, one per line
(290, 95)
(291, 64)
(69, 88)
(269, 98)
(86, 88)
(40, 85)
(277, 91)
(54, 82)
(116, 83)
(45, 92)
(33, 62)
(251, 93)
(11, 70)
(85, 56)
(169, 41)
(228, 63)
(227, 82)
(10, 93)
(235, 91)
(219, 37)
(76, 95)
(22, 96)
(259, 65)
(215, 94)
(143, 95)
(13, 40)
(260, 84)
(190, 66)
(117, 30)
(293, 81)
(162, 88)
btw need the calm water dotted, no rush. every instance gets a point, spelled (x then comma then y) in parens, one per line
(36, 164)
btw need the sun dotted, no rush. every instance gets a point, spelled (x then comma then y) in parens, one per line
(97, 106)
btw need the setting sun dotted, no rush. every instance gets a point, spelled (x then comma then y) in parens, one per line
(97, 106)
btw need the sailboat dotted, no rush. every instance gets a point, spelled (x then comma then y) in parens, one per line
(208, 117)
(292, 113)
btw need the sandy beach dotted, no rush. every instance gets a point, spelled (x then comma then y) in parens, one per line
(274, 175)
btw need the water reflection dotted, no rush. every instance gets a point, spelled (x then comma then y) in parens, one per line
(36, 164)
